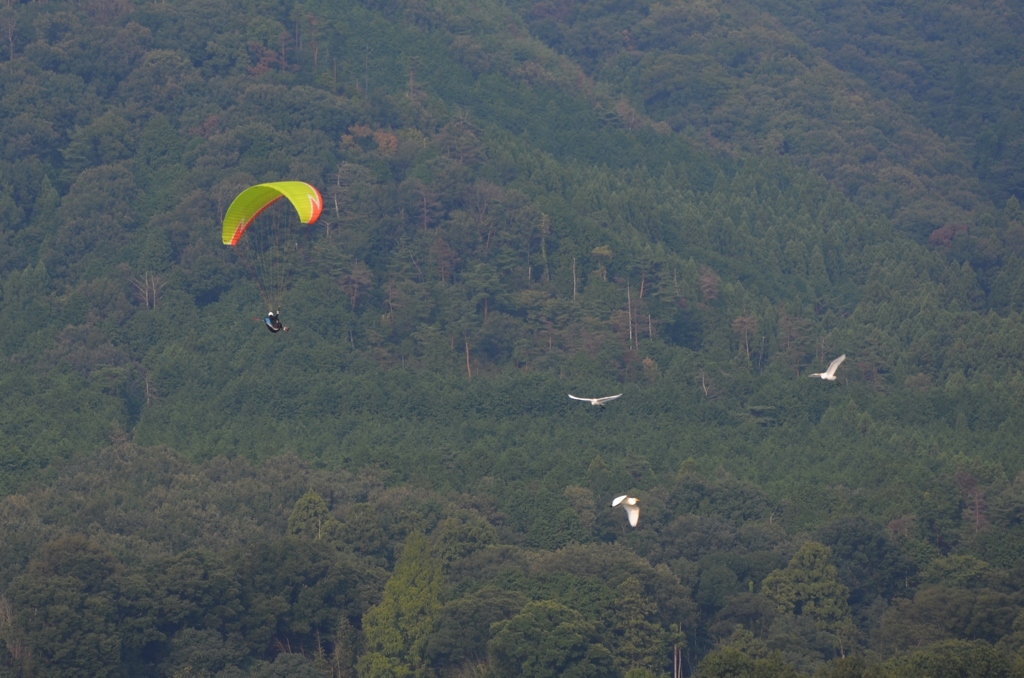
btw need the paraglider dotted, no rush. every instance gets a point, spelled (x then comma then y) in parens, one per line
(273, 322)
(259, 241)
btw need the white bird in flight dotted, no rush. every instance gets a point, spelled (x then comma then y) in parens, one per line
(596, 402)
(830, 373)
(629, 503)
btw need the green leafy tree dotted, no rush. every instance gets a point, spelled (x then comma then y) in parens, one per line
(202, 652)
(730, 662)
(311, 518)
(462, 534)
(66, 609)
(954, 659)
(810, 586)
(547, 639)
(286, 665)
(295, 590)
(850, 667)
(464, 626)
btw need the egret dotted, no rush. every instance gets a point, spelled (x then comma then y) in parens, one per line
(596, 402)
(629, 503)
(830, 373)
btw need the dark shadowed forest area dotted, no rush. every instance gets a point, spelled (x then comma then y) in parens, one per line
(694, 203)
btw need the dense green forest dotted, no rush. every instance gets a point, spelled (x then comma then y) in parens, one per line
(695, 203)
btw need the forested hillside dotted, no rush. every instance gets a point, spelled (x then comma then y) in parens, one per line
(695, 204)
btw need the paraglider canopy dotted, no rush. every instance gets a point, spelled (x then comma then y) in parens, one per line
(253, 200)
(266, 244)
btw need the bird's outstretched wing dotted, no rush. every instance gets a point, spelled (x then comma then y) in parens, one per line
(587, 400)
(618, 500)
(634, 514)
(602, 401)
(834, 365)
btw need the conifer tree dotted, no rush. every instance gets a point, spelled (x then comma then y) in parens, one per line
(640, 643)
(343, 654)
(398, 628)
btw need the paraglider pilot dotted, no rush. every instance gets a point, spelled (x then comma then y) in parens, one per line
(273, 322)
